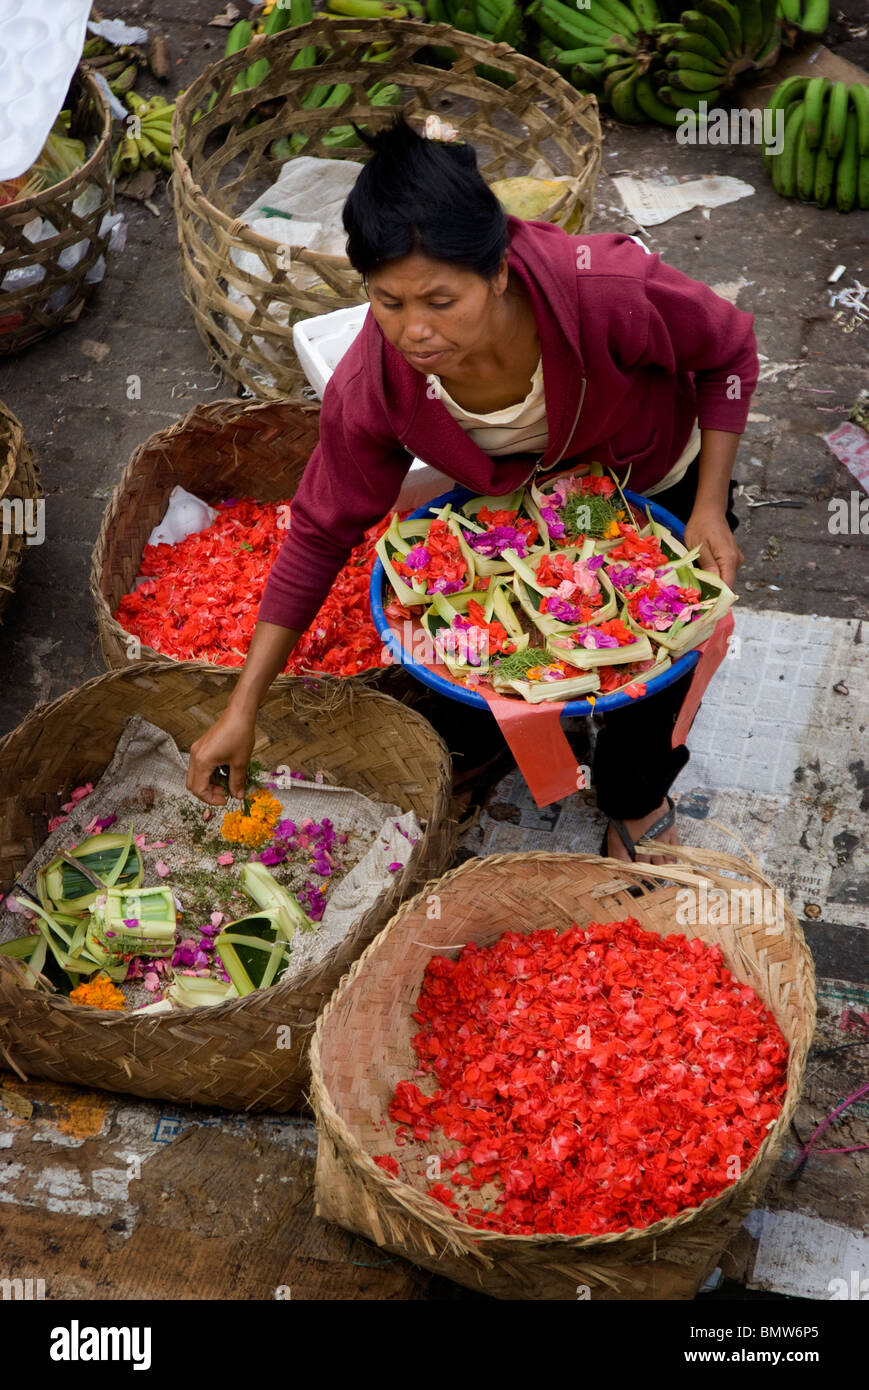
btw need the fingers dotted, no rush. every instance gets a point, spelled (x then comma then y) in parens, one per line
(238, 779)
(199, 781)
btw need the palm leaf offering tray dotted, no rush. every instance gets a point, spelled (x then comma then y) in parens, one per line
(143, 898)
(564, 590)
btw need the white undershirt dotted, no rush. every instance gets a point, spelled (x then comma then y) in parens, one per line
(523, 429)
(517, 429)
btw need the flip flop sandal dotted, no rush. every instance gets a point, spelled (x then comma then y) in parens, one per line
(663, 823)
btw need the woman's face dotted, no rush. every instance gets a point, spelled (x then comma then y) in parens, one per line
(436, 314)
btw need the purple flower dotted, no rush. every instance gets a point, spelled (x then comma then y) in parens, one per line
(270, 857)
(622, 576)
(562, 610)
(500, 538)
(417, 558)
(111, 933)
(556, 527)
(446, 586)
(105, 821)
(394, 867)
(594, 562)
(284, 830)
(129, 922)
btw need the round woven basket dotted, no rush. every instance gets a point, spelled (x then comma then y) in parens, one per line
(28, 313)
(225, 449)
(19, 491)
(221, 163)
(362, 1048)
(225, 1055)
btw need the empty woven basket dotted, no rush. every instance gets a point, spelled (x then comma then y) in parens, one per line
(362, 1048)
(226, 1055)
(222, 162)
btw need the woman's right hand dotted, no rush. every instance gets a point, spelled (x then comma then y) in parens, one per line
(230, 740)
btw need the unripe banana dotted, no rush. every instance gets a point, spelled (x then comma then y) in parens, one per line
(696, 63)
(727, 19)
(825, 176)
(707, 28)
(624, 102)
(816, 100)
(751, 20)
(699, 44)
(837, 119)
(846, 169)
(649, 102)
(647, 13)
(815, 17)
(858, 93)
(685, 80)
(806, 161)
(784, 174)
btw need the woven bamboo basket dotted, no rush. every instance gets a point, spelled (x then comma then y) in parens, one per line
(362, 1047)
(19, 489)
(29, 313)
(221, 163)
(228, 1054)
(225, 449)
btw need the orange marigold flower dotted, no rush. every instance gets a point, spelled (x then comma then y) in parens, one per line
(99, 993)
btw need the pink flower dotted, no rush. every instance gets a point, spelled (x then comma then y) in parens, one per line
(216, 918)
(152, 981)
(55, 822)
(81, 792)
(393, 867)
(225, 858)
(161, 868)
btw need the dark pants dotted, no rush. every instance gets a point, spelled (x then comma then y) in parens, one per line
(634, 761)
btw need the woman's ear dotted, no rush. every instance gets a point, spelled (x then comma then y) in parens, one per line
(502, 274)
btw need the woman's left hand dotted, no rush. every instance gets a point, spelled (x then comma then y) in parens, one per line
(719, 552)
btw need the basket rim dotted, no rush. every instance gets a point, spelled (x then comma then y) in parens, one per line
(114, 1019)
(57, 190)
(420, 1203)
(199, 88)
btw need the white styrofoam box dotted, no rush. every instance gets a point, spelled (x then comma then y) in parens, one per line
(320, 344)
(40, 46)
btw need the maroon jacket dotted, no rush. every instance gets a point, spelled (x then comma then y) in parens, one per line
(633, 352)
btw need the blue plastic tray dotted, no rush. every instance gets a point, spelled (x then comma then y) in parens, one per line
(602, 703)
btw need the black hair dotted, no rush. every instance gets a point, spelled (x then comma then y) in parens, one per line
(422, 195)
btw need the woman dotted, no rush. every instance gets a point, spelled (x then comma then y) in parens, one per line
(499, 350)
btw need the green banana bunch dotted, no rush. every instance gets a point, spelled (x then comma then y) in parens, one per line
(804, 16)
(825, 154)
(713, 45)
(152, 147)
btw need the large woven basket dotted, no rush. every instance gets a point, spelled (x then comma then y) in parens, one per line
(226, 1055)
(362, 1047)
(225, 449)
(28, 313)
(19, 492)
(221, 163)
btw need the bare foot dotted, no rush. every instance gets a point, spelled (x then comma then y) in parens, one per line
(637, 829)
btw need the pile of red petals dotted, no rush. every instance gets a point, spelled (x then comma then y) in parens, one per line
(201, 596)
(595, 1080)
